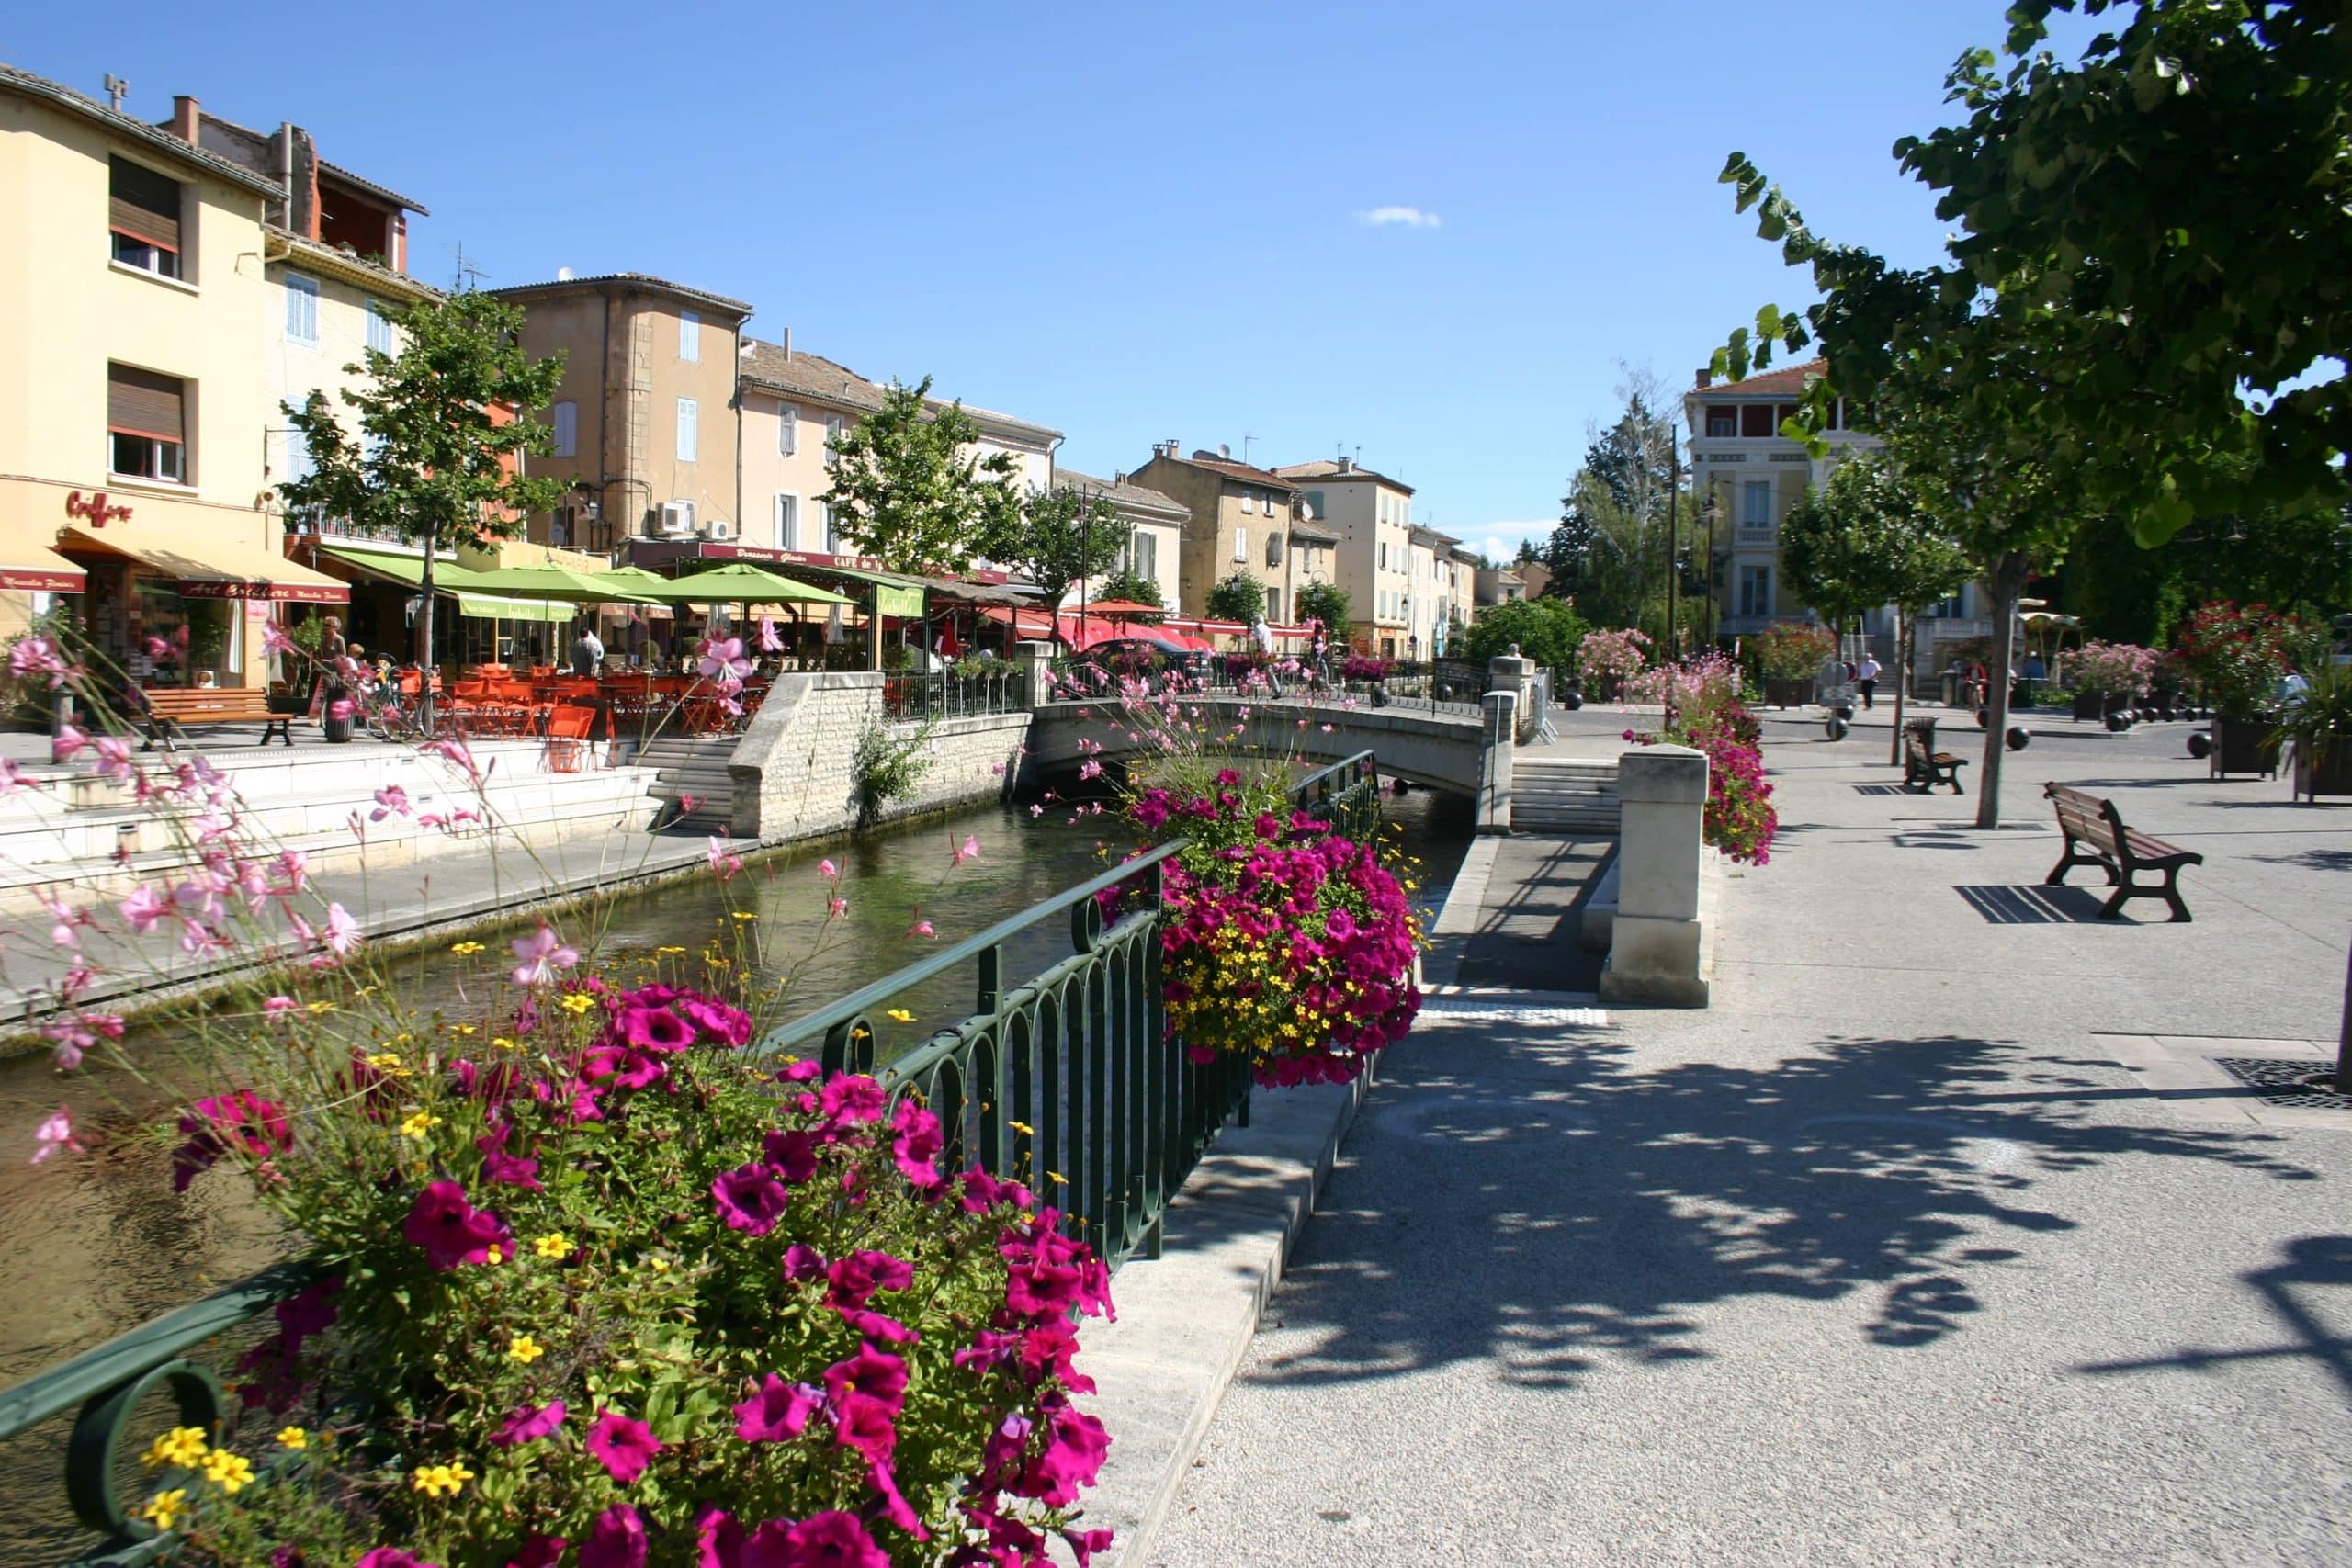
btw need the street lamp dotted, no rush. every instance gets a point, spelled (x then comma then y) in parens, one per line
(1713, 512)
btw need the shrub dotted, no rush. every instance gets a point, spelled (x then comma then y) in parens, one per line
(2107, 669)
(1548, 631)
(1365, 667)
(883, 769)
(1240, 597)
(1607, 659)
(1739, 817)
(2237, 656)
(1792, 651)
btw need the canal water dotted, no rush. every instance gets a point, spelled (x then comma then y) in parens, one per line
(93, 1244)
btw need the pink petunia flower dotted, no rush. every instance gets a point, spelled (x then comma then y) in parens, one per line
(778, 1413)
(622, 1445)
(724, 864)
(55, 1132)
(616, 1540)
(528, 1424)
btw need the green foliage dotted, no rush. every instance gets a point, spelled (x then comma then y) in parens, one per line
(1610, 551)
(1326, 603)
(910, 489)
(1546, 630)
(1240, 597)
(2318, 719)
(1061, 536)
(883, 769)
(1790, 651)
(1865, 540)
(429, 462)
(1126, 585)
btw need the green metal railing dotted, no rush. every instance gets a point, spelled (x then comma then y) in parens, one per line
(1067, 1081)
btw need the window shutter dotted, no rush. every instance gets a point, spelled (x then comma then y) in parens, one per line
(141, 402)
(787, 430)
(566, 430)
(689, 429)
(298, 455)
(380, 329)
(785, 523)
(301, 309)
(689, 336)
(144, 204)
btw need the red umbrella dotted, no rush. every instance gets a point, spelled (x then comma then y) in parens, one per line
(1124, 607)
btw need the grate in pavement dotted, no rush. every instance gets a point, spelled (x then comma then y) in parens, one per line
(2300, 1084)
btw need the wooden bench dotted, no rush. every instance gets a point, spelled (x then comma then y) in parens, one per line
(175, 708)
(2096, 835)
(1923, 768)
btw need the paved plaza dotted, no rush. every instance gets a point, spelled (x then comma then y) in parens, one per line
(1941, 1238)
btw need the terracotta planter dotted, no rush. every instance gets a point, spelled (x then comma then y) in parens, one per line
(2334, 775)
(2243, 746)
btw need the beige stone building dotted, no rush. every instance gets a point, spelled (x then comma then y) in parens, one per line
(647, 430)
(1241, 522)
(133, 474)
(1372, 514)
(1434, 601)
(1155, 525)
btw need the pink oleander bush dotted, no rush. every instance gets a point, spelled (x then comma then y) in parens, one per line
(2107, 669)
(597, 1288)
(1739, 817)
(1606, 660)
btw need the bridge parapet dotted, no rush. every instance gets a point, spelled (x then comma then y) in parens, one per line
(1440, 750)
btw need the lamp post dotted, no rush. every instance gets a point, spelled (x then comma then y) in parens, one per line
(1673, 527)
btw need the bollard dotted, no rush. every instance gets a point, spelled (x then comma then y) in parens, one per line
(1654, 947)
(1499, 721)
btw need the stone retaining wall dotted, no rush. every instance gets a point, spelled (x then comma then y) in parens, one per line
(794, 771)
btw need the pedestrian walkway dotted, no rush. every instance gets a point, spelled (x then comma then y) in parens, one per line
(1930, 1242)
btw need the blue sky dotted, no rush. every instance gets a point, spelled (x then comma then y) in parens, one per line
(1428, 235)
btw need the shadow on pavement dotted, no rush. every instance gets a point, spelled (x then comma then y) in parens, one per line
(1517, 1194)
(2285, 1287)
(2035, 904)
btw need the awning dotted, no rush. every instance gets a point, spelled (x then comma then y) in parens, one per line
(37, 571)
(450, 578)
(900, 596)
(215, 569)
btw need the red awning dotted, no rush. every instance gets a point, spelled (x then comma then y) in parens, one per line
(41, 571)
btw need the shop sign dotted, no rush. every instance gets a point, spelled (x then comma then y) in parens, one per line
(97, 510)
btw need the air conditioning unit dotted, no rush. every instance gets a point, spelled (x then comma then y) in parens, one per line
(719, 529)
(677, 517)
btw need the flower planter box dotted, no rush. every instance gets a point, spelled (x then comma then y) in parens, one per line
(2332, 776)
(2092, 705)
(1782, 692)
(2243, 746)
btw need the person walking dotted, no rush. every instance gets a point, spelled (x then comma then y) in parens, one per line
(587, 651)
(1866, 676)
(1262, 642)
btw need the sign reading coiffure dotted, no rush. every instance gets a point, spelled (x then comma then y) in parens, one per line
(97, 511)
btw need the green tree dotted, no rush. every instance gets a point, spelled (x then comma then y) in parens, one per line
(1063, 534)
(2168, 217)
(1240, 597)
(909, 488)
(1326, 603)
(1865, 539)
(1126, 585)
(1609, 550)
(429, 463)
(1546, 630)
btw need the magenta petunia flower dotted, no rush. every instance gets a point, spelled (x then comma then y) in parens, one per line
(653, 1029)
(722, 1024)
(243, 1121)
(513, 1170)
(866, 1426)
(854, 1278)
(750, 1198)
(870, 1374)
(451, 1230)
(528, 1424)
(541, 1551)
(617, 1539)
(1072, 1457)
(802, 1262)
(830, 1539)
(390, 1557)
(850, 1098)
(777, 1413)
(791, 1154)
(718, 1539)
(622, 1445)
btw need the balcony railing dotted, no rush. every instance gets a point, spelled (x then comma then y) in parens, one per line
(945, 693)
(1080, 1054)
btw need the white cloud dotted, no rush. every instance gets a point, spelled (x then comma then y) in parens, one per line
(1399, 217)
(1493, 548)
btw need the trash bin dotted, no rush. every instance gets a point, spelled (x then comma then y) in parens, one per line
(1952, 688)
(1924, 729)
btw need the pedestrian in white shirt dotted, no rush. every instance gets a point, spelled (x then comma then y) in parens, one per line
(1866, 677)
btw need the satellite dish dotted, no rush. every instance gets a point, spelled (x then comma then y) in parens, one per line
(1305, 511)
(565, 275)
(1223, 450)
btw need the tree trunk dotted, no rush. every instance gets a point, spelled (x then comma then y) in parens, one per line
(424, 636)
(2003, 583)
(1902, 669)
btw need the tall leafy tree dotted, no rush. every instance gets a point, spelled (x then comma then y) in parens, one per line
(1240, 597)
(1124, 584)
(430, 462)
(1063, 534)
(1326, 603)
(910, 488)
(1610, 551)
(1864, 540)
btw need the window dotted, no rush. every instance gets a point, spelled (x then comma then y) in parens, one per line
(1756, 419)
(1383, 555)
(301, 310)
(380, 329)
(833, 531)
(689, 429)
(788, 521)
(1782, 414)
(1755, 591)
(787, 431)
(1314, 503)
(1143, 555)
(566, 430)
(297, 457)
(1755, 503)
(143, 218)
(1241, 544)
(689, 337)
(559, 527)
(1723, 419)
(1249, 502)
(834, 427)
(1273, 546)
(1273, 603)
(146, 424)
(1952, 609)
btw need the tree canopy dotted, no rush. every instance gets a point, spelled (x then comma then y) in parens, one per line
(433, 459)
(911, 489)
(1060, 535)
(1240, 597)
(1546, 630)
(2167, 218)
(1864, 540)
(1326, 603)
(1610, 549)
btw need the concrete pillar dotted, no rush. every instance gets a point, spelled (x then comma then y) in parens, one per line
(1654, 949)
(1496, 736)
(1034, 658)
(1509, 672)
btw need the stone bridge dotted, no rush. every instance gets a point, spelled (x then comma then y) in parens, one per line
(1440, 750)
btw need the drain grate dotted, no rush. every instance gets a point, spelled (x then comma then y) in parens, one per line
(2300, 1085)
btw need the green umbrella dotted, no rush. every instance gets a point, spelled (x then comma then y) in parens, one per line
(557, 582)
(739, 583)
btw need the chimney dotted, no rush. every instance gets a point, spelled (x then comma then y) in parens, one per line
(1347, 464)
(183, 118)
(1118, 476)
(1706, 377)
(787, 345)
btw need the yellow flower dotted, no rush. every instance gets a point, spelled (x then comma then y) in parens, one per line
(524, 1349)
(416, 1126)
(465, 1029)
(659, 1264)
(1022, 1127)
(466, 949)
(182, 1446)
(901, 1014)
(231, 1473)
(669, 950)
(293, 1437)
(441, 1480)
(1057, 1177)
(577, 1002)
(742, 915)
(320, 1006)
(500, 1042)
(555, 1244)
(164, 1509)
(493, 1255)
